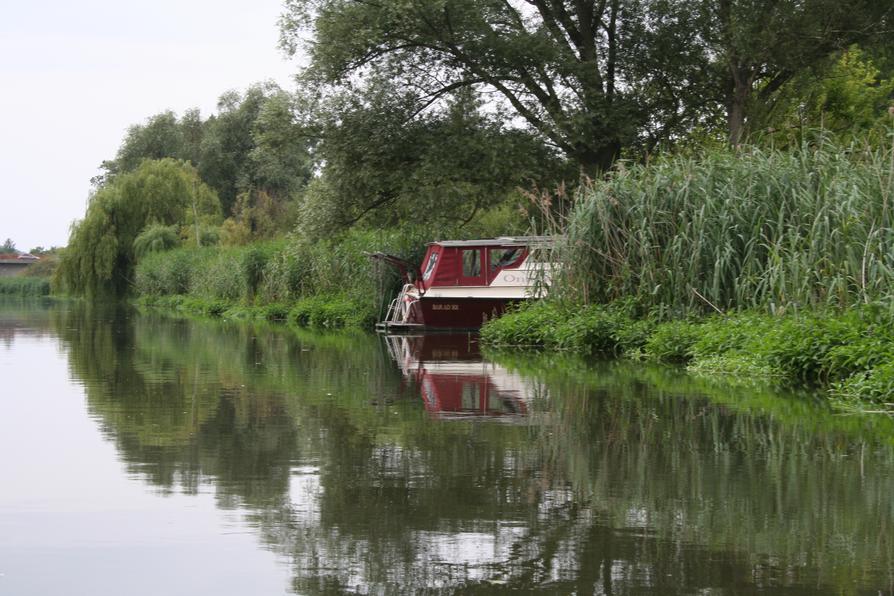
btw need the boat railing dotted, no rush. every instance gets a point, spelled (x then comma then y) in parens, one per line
(398, 313)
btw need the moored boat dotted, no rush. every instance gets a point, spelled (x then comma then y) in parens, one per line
(463, 283)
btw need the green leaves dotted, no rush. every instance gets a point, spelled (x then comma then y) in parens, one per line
(254, 143)
(382, 165)
(746, 229)
(557, 72)
(101, 253)
(155, 238)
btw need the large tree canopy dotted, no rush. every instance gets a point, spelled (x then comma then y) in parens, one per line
(253, 143)
(591, 76)
(100, 256)
(757, 46)
(381, 166)
(558, 66)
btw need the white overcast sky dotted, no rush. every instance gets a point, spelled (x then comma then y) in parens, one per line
(75, 75)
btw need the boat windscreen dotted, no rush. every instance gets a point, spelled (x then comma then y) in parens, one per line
(504, 257)
(430, 266)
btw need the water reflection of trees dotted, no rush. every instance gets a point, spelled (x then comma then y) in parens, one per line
(620, 485)
(22, 317)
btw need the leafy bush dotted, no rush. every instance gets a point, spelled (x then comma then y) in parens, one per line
(734, 333)
(869, 342)
(252, 265)
(592, 330)
(798, 346)
(584, 330)
(673, 341)
(276, 312)
(875, 385)
(531, 324)
(329, 312)
(24, 286)
(603, 329)
(155, 238)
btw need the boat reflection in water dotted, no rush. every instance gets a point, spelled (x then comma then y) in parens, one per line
(455, 382)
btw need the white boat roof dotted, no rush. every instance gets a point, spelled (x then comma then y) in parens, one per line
(500, 241)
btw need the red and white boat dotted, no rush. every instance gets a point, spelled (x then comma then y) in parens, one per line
(463, 283)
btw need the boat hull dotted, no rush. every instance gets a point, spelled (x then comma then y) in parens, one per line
(458, 313)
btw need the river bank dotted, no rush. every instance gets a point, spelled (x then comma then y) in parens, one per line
(328, 284)
(795, 246)
(849, 354)
(321, 311)
(844, 356)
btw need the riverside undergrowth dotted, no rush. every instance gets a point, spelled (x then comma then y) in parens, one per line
(796, 246)
(330, 283)
(750, 228)
(24, 287)
(849, 352)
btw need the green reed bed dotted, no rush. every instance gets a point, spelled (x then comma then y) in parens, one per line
(751, 228)
(753, 262)
(321, 284)
(24, 287)
(322, 312)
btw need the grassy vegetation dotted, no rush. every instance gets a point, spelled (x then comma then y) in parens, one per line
(745, 229)
(756, 263)
(850, 351)
(24, 286)
(325, 312)
(322, 284)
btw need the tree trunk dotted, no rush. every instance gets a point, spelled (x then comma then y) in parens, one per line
(596, 161)
(739, 92)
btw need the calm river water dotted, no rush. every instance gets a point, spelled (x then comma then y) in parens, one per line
(146, 455)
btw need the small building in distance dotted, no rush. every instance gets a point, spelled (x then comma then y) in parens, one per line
(15, 264)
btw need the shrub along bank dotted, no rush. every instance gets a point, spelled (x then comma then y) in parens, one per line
(323, 284)
(851, 352)
(23, 286)
(796, 244)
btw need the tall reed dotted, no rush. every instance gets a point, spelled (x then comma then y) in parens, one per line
(22, 286)
(750, 228)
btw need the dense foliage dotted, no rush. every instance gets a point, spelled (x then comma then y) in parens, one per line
(591, 77)
(750, 228)
(852, 351)
(335, 274)
(253, 144)
(101, 256)
(382, 167)
(22, 286)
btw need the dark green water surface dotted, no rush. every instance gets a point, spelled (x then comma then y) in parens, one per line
(144, 455)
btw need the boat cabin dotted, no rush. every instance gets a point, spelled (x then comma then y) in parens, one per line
(469, 262)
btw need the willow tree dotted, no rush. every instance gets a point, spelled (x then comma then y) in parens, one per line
(100, 259)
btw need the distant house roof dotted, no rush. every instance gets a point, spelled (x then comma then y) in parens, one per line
(18, 258)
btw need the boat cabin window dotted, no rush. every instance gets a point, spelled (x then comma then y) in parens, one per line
(430, 266)
(504, 257)
(471, 263)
